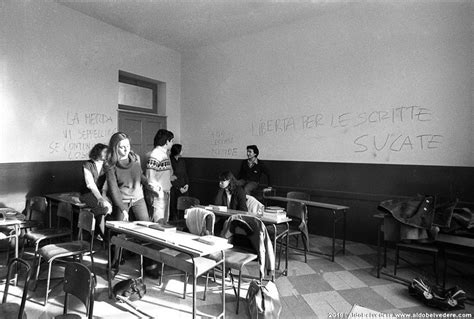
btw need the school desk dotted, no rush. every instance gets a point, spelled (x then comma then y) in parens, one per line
(267, 221)
(338, 213)
(11, 221)
(138, 239)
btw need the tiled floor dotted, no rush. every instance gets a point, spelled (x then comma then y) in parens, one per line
(311, 290)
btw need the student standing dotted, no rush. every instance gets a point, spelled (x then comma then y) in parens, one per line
(125, 179)
(160, 175)
(93, 183)
(181, 183)
(251, 170)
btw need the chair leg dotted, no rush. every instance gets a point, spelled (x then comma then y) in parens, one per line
(279, 251)
(93, 267)
(238, 291)
(186, 278)
(50, 264)
(232, 280)
(384, 254)
(435, 266)
(160, 281)
(38, 265)
(397, 256)
(205, 286)
(305, 248)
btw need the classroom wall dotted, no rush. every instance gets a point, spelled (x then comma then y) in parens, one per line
(59, 92)
(382, 83)
(352, 58)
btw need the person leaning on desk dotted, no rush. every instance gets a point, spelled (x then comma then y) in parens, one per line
(124, 183)
(230, 195)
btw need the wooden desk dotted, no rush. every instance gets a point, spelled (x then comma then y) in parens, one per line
(335, 209)
(11, 221)
(182, 242)
(267, 221)
(70, 198)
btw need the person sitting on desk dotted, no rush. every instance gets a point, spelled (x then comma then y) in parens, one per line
(230, 194)
(252, 170)
(92, 185)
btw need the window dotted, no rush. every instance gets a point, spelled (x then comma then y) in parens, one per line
(137, 93)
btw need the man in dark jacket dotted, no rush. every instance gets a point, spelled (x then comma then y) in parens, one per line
(252, 170)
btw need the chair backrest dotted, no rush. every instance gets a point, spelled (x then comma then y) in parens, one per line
(200, 221)
(185, 202)
(86, 222)
(64, 212)
(253, 205)
(294, 209)
(16, 261)
(36, 208)
(79, 282)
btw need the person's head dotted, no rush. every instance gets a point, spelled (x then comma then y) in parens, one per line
(163, 138)
(119, 147)
(98, 152)
(252, 151)
(227, 181)
(176, 150)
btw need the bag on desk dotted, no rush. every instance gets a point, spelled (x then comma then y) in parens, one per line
(263, 300)
(132, 289)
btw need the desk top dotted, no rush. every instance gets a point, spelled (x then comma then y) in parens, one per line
(180, 241)
(10, 217)
(71, 198)
(308, 203)
(231, 212)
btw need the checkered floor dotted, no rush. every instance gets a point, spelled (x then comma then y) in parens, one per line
(311, 290)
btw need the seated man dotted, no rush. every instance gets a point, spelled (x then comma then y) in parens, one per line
(251, 170)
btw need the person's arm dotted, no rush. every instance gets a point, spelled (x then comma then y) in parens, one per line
(218, 199)
(114, 190)
(241, 199)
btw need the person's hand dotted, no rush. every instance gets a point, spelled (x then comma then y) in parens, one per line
(102, 202)
(125, 215)
(182, 190)
(173, 178)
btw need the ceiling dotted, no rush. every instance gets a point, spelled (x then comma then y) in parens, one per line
(186, 25)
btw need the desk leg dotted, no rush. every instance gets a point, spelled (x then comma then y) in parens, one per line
(17, 237)
(378, 251)
(194, 287)
(50, 214)
(274, 249)
(109, 266)
(223, 283)
(333, 235)
(286, 249)
(344, 232)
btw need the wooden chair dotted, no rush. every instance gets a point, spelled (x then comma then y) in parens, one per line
(79, 282)
(184, 202)
(209, 226)
(298, 212)
(10, 310)
(36, 212)
(241, 254)
(37, 236)
(86, 223)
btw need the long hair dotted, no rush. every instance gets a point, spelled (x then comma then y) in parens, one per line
(96, 151)
(112, 152)
(228, 176)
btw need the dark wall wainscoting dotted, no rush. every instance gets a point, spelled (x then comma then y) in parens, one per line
(359, 186)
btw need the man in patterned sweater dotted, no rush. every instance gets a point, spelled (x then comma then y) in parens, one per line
(160, 175)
